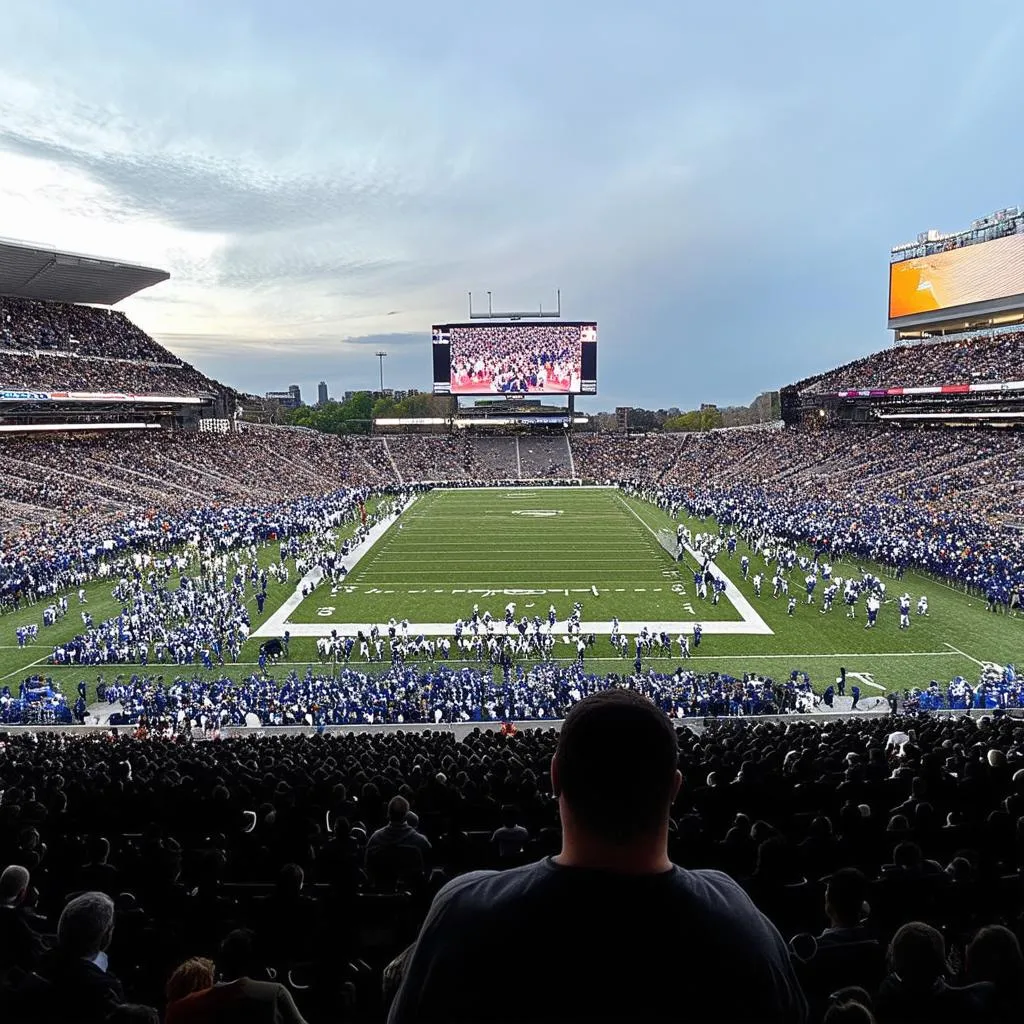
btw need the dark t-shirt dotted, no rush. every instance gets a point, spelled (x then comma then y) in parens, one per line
(550, 943)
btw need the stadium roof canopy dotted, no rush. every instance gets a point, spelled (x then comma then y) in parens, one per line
(39, 272)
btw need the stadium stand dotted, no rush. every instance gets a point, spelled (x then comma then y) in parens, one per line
(946, 501)
(191, 842)
(998, 357)
(139, 867)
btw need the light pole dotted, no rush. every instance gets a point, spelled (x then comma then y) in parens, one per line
(381, 356)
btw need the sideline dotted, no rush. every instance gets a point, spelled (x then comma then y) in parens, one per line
(275, 624)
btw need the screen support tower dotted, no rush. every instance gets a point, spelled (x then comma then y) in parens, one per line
(541, 313)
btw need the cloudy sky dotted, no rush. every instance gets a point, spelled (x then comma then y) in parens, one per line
(717, 185)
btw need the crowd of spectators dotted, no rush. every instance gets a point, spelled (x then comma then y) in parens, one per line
(75, 373)
(886, 852)
(946, 501)
(435, 694)
(56, 346)
(997, 357)
(516, 358)
(224, 490)
(942, 500)
(33, 326)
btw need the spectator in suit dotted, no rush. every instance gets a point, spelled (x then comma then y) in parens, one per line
(238, 996)
(611, 895)
(82, 987)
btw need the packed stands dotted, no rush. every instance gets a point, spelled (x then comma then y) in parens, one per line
(947, 501)
(998, 357)
(843, 834)
(32, 326)
(57, 346)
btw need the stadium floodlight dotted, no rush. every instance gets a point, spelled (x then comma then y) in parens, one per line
(381, 356)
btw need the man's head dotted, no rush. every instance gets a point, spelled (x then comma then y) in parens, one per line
(917, 954)
(844, 897)
(13, 885)
(398, 810)
(237, 956)
(86, 925)
(615, 770)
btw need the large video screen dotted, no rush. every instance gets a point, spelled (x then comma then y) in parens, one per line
(974, 273)
(515, 358)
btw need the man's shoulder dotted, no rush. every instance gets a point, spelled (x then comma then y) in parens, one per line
(713, 889)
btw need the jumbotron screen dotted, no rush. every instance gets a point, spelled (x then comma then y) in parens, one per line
(549, 358)
(974, 273)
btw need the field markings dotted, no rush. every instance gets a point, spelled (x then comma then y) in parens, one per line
(650, 661)
(751, 619)
(964, 654)
(274, 625)
(25, 668)
(750, 622)
(324, 627)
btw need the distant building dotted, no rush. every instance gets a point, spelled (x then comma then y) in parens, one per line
(290, 399)
(622, 417)
(321, 393)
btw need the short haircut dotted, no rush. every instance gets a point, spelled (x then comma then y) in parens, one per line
(13, 882)
(848, 1012)
(918, 953)
(398, 809)
(237, 957)
(847, 890)
(86, 924)
(616, 762)
(133, 1013)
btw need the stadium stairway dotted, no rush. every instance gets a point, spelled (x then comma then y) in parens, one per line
(391, 459)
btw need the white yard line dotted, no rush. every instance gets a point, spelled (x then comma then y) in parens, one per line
(25, 668)
(559, 655)
(964, 654)
(561, 629)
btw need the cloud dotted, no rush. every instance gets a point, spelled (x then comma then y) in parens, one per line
(718, 188)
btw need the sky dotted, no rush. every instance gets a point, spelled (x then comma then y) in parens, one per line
(717, 185)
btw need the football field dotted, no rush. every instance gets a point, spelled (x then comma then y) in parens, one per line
(537, 547)
(453, 549)
(534, 547)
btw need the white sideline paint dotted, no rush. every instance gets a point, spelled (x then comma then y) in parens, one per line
(752, 623)
(964, 654)
(865, 678)
(446, 628)
(276, 623)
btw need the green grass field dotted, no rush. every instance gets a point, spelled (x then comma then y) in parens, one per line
(536, 547)
(545, 546)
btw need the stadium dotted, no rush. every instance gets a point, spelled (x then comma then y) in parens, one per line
(316, 632)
